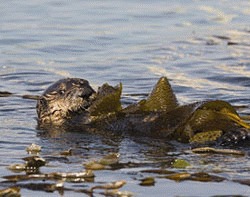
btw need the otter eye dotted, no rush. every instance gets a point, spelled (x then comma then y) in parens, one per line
(61, 92)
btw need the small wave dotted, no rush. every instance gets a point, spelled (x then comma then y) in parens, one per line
(183, 79)
(218, 15)
(48, 68)
(231, 69)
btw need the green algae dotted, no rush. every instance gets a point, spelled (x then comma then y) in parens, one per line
(206, 136)
(180, 163)
(219, 106)
(161, 98)
(107, 100)
(148, 181)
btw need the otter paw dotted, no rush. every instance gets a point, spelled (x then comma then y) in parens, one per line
(234, 137)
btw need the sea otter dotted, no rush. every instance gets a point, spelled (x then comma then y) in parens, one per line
(73, 103)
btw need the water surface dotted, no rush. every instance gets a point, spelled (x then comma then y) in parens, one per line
(203, 47)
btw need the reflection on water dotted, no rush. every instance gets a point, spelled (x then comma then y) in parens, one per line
(202, 47)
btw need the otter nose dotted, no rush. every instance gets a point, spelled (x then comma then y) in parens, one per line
(86, 93)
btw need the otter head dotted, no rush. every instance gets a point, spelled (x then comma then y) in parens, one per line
(64, 99)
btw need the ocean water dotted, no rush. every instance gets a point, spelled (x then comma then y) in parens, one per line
(203, 47)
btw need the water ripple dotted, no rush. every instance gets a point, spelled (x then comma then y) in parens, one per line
(201, 46)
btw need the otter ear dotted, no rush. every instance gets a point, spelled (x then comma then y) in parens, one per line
(162, 98)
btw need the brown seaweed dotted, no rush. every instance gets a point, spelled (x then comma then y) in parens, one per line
(10, 192)
(203, 150)
(84, 176)
(148, 181)
(109, 186)
(200, 176)
(33, 149)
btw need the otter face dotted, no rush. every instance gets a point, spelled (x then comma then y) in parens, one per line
(64, 99)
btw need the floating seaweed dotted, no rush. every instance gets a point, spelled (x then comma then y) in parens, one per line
(109, 186)
(200, 176)
(148, 181)
(17, 167)
(182, 176)
(23, 177)
(180, 163)
(104, 162)
(206, 136)
(110, 159)
(33, 149)
(94, 165)
(205, 177)
(86, 176)
(218, 151)
(179, 176)
(10, 192)
(117, 193)
(71, 176)
(34, 163)
(47, 187)
(31, 165)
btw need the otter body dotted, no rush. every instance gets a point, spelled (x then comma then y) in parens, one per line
(72, 103)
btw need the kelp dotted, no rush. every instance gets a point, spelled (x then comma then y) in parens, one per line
(37, 180)
(206, 136)
(180, 163)
(117, 193)
(110, 159)
(210, 121)
(32, 165)
(179, 176)
(200, 176)
(17, 167)
(219, 106)
(104, 162)
(94, 165)
(83, 176)
(162, 97)
(211, 150)
(109, 186)
(33, 149)
(10, 192)
(148, 181)
(107, 100)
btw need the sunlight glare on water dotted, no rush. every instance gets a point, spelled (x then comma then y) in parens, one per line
(203, 47)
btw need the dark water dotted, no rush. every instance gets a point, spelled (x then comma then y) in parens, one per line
(203, 47)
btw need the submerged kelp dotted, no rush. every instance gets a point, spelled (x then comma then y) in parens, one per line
(166, 160)
(32, 166)
(176, 169)
(201, 46)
